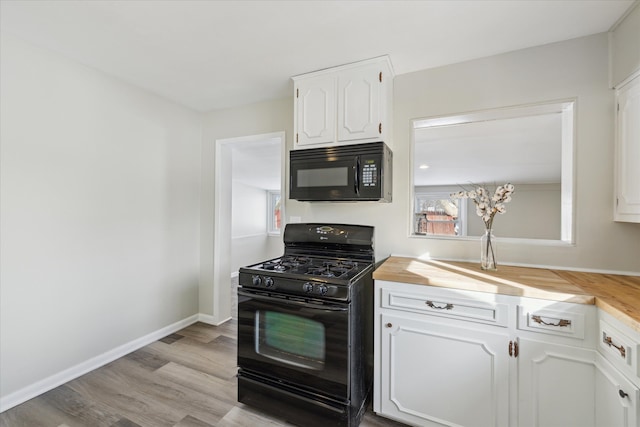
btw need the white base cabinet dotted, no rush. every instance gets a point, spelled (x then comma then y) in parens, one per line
(434, 374)
(616, 397)
(556, 385)
(446, 357)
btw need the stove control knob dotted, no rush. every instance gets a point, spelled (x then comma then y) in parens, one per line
(322, 289)
(307, 287)
(256, 280)
(268, 282)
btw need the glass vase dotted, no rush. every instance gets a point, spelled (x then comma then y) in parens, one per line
(488, 251)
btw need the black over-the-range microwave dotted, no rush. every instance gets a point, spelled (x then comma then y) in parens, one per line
(345, 173)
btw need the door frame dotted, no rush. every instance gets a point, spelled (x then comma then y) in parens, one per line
(222, 218)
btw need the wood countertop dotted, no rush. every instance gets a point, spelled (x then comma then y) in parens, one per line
(618, 295)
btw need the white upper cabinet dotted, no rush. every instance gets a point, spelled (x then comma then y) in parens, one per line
(344, 105)
(627, 152)
(316, 111)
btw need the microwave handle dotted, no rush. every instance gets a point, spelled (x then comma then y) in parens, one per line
(356, 175)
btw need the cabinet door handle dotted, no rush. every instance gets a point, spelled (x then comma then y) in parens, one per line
(561, 322)
(513, 348)
(432, 305)
(388, 325)
(608, 341)
(623, 394)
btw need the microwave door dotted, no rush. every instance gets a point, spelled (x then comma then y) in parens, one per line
(325, 180)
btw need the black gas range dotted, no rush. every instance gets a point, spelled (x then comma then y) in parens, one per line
(305, 326)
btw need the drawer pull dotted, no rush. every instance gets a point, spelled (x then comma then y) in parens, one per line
(388, 325)
(446, 307)
(608, 341)
(561, 322)
(623, 394)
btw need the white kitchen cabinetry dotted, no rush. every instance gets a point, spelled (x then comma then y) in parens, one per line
(343, 105)
(462, 358)
(616, 397)
(436, 374)
(627, 152)
(556, 385)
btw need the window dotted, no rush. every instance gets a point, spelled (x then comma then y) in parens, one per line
(438, 215)
(274, 212)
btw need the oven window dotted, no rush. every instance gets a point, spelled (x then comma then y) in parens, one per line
(324, 177)
(290, 339)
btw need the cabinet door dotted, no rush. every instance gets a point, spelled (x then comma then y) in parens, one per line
(616, 397)
(628, 152)
(359, 103)
(556, 385)
(434, 374)
(315, 111)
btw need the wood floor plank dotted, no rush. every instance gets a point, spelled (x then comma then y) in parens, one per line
(205, 357)
(147, 359)
(175, 399)
(124, 422)
(118, 391)
(190, 421)
(79, 409)
(243, 416)
(223, 390)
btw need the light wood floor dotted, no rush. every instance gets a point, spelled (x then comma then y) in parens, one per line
(187, 379)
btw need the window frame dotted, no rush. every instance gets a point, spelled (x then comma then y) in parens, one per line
(273, 197)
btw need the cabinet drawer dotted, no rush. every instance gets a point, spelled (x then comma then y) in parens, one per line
(561, 321)
(491, 313)
(619, 348)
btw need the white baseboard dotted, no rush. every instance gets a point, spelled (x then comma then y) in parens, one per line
(42, 386)
(210, 320)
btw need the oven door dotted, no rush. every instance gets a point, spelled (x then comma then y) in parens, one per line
(304, 344)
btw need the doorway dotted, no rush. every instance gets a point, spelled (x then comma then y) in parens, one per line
(249, 173)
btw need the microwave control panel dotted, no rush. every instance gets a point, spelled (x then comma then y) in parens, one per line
(369, 173)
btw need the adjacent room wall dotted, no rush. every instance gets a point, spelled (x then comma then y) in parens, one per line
(250, 242)
(100, 187)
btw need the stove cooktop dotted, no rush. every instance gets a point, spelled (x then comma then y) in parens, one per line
(306, 266)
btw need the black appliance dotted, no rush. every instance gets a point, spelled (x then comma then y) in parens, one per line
(341, 173)
(305, 327)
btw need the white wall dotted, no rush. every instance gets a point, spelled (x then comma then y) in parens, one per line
(575, 69)
(248, 210)
(625, 47)
(250, 242)
(100, 187)
(533, 213)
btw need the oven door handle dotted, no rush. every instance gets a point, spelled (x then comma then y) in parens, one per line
(331, 307)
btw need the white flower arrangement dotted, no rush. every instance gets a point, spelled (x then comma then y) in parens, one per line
(487, 207)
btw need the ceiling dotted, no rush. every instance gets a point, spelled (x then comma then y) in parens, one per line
(257, 163)
(211, 55)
